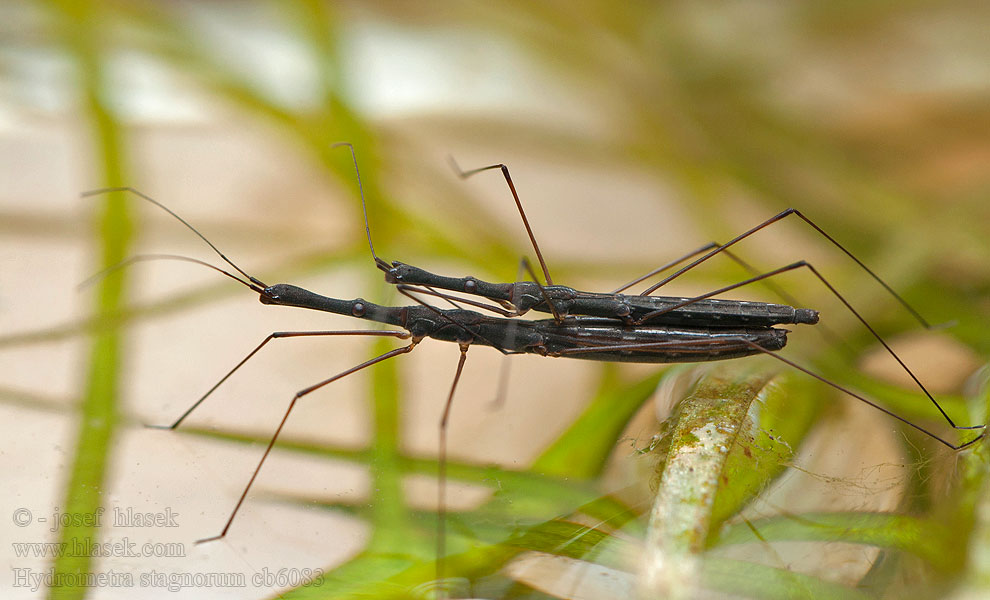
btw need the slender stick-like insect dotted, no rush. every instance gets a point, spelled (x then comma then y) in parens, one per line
(591, 326)
(577, 336)
(517, 298)
(584, 337)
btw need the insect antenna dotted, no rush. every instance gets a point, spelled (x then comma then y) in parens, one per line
(149, 257)
(143, 196)
(381, 264)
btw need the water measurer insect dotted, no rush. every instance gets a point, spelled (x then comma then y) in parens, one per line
(519, 297)
(590, 326)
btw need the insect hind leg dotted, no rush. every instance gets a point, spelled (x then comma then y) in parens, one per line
(861, 398)
(842, 299)
(778, 217)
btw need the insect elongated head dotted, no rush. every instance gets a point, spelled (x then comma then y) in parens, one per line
(284, 294)
(281, 294)
(267, 296)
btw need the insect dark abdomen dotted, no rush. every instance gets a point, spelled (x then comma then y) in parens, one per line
(583, 339)
(725, 313)
(709, 311)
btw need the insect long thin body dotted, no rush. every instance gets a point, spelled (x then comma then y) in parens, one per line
(582, 336)
(519, 297)
(611, 327)
(523, 296)
(546, 337)
(589, 338)
(709, 250)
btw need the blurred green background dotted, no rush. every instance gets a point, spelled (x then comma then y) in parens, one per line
(634, 133)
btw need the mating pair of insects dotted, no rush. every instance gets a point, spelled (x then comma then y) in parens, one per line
(612, 326)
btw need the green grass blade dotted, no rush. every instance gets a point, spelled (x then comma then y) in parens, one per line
(77, 24)
(715, 456)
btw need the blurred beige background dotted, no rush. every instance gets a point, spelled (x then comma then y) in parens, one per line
(632, 138)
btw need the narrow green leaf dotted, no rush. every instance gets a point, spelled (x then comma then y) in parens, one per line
(720, 447)
(77, 25)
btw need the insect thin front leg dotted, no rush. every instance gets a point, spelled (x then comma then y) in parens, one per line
(274, 336)
(524, 265)
(442, 468)
(292, 404)
(835, 292)
(454, 300)
(410, 292)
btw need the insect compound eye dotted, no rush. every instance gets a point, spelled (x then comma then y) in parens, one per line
(268, 296)
(471, 286)
(358, 309)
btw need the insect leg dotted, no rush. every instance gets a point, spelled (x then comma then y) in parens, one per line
(292, 404)
(524, 265)
(519, 206)
(452, 299)
(663, 268)
(744, 340)
(410, 292)
(771, 221)
(273, 336)
(442, 469)
(810, 267)
(886, 411)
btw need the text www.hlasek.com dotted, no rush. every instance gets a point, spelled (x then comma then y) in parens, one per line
(122, 548)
